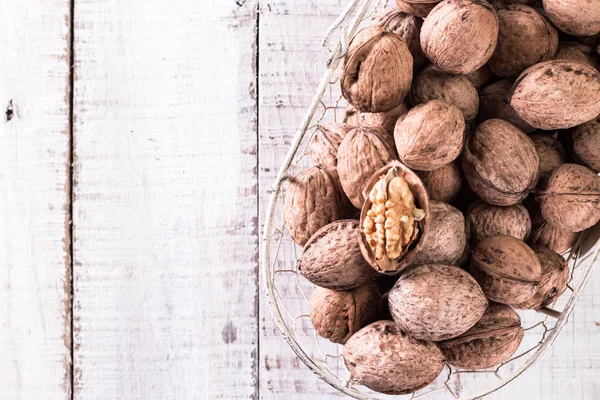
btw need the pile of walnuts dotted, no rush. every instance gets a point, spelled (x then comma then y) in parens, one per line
(466, 164)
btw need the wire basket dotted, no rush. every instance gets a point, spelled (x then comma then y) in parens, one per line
(288, 293)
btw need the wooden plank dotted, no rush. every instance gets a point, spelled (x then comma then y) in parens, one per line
(35, 344)
(165, 227)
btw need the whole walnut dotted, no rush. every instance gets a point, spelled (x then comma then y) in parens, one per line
(459, 36)
(493, 103)
(377, 70)
(500, 163)
(571, 198)
(430, 135)
(436, 302)
(586, 143)
(576, 52)
(408, 27)
(314, 198)
(383, 358)
(433, 84)
(480, 77)
(492, 341)
(519, 47)
(550, 236)
(362, 152)
(550, 151)
(444, 183)
(332, 257)
(417, 8)
(555, 276)
(386, 120)
(485, 220)
(577, 17)
(507, 269)
(557, 94)
(337, 315)
(325, 142)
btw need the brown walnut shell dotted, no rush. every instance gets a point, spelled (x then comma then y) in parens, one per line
(550, 236)
(383, 358)
(577, 17)
(362, 152)
(557, 94)
(480, 77)
(332, 257)
(493, 103)
(518, 47)
(550, 151)
(436, 302)
(386, 120)
(337, 315)
(459, 36)
(325, 142)
(571, 199)
(377, 70)
(500, 163)
(507, 269)
(586, 143)
(500, 4)
(576, 52)
(430, 135)
(433, 84)
(444, 183)
(485, 220)
(493, 340)
(419, 9)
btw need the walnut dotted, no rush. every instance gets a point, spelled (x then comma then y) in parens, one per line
(557, 94)
(485, 220)
(500, 163)
(386, 120)
(444, 183)
(383, 358)
(433, 84)
(577, 17)
(550, 151)
(459, 36)
(491, 341)
(571, 198)
(417, 8)
(586, 142)
(507, 269)
(377, 70)
(519, 47)
(555, 239)
(430, 135)
(337, 315)
(576, 52)
(436, 302)
(325, 142)
(493, 103)
(480, 77)
(394, 219)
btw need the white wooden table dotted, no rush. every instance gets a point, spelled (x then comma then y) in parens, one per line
(131, 193)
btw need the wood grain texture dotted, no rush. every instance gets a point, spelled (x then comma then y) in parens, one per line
(165, 227)
(34, 181)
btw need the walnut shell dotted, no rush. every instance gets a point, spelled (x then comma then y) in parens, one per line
(444, 183)
(500, 4)
(485, 220)
(459, 36)
(550, 236)
(325, 142)
(377, 70)
(383, 358)
(571, 198)
(557, 94)
(520, 48)
(332, 258)
(550, 151)
(555, 276)
(493, 103)
(507, 269)
(493, 340)
(500, 163)
(433, 84)
(576, 52)
(430, 135)
(577, 17)
(419, 9)
(337, 315)
(386, 120)
(480, 77)
(586, 143)
(436, 302)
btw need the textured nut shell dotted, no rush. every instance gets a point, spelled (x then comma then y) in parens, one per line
(421, 201)
(444, 183)
(446, 240)
(325, 142)
(586, 143)
(436, 302)
(577, 17)
(480, 77)
(555, 275)
(493, 103)
(500, 4)
(433, 84)
(430, 135)
(362, 152)
(337, 315)
(557, 94)
(550, 151)
(459, 36)
(377, 70)
(485, 220)
(571, 199)
(418, 9)
(493, 340)
(550, 236)
(332, 258)
(525, 38)
(383, 358)
(507, 269)
(576, 52)
(500, 163)
(386, 120)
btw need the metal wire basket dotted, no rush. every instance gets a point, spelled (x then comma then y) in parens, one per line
(288, 292)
